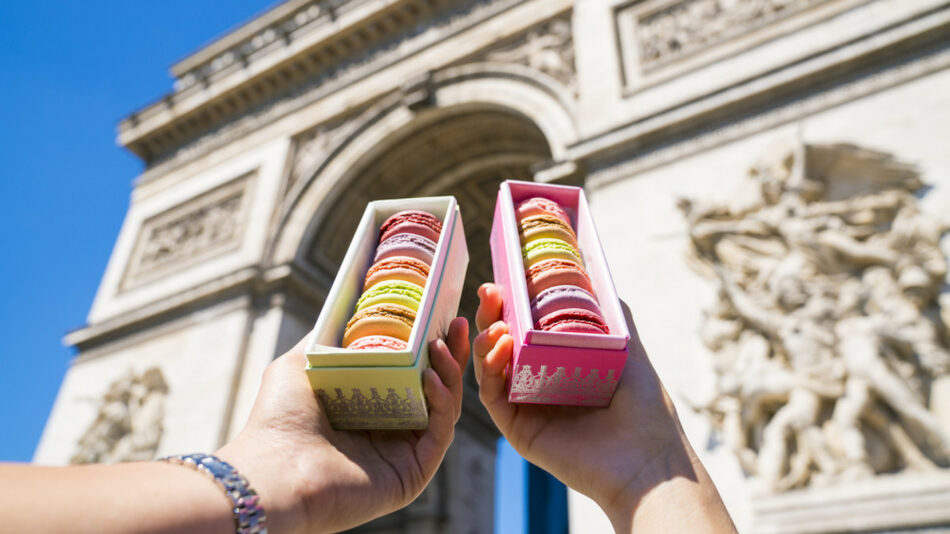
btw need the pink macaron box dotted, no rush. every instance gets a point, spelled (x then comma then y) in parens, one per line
(382, 389)
(564, 368)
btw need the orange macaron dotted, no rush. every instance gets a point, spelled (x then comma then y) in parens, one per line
(392, 320)
(547, 226)
(397, 268)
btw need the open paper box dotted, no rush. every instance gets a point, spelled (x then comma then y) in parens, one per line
(556, 367)
(383, 389)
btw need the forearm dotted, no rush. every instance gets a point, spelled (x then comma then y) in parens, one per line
(141, 497)
(672, 494)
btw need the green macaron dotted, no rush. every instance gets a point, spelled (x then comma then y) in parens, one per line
(391, 292)
(546, 248)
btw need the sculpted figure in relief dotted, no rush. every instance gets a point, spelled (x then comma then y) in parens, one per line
(826, 332)
(547, 48)
(128, 426)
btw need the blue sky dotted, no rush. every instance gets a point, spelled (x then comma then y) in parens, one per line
(71, 70)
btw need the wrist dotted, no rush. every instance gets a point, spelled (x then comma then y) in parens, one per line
(675, 491)
(273, 478)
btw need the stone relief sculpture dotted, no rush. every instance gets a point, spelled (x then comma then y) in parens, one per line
(688, 25)
(128, 426)
(547, 48)
(827, 332)
(208, 225)
(313, 146)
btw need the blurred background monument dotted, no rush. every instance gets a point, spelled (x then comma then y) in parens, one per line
(771, 180)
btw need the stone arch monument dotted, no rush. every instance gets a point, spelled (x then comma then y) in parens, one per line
(274, 136)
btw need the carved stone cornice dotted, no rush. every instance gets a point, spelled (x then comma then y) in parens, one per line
(289, 63)
(253, 283)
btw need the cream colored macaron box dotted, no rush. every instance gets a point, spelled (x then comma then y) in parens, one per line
(362, 389)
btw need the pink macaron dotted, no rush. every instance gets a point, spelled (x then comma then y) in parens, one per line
(556, 272)
(411, 222)
(411, 245)
(563, 297)
(540, 206)
(377, 343)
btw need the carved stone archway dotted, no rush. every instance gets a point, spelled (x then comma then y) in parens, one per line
(466, 154)
(527, 96)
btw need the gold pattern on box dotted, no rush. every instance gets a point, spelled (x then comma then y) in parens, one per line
(374, 410)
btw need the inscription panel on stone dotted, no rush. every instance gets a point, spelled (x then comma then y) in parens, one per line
(199, 229)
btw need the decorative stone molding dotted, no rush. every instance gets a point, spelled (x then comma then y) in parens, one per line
(892, 504)
(666, 31)
(332, 64)
(310, 17)
(128, 426)
(547, 48)
(204, 227)
(827, 335)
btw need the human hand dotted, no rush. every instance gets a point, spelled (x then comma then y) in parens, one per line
(312, 478)
(614, 455)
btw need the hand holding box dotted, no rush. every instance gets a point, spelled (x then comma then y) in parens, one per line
(567, 366)
(374, 386)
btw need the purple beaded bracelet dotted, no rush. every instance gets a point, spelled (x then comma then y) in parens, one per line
(248, 513)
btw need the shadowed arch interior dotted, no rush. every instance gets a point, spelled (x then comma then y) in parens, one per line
(466, 155)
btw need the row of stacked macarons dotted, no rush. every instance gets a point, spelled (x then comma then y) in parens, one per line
(394, 284)
(562, 297)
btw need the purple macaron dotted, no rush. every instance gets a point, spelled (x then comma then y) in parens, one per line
(411, 245)
(563, 297)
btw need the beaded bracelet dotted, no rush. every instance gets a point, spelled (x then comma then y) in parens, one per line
(249, 517)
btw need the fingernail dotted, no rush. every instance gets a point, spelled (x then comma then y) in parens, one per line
(481, 290)
(498, 327)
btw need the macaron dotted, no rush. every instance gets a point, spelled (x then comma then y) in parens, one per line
(550, 273)
(397, 268)
(558, 298)
(539, 226)
(411, 222)
(377, 343)
(390, 320)
(411, 245)
(391, 292)
(540, 206)
(573, 320)
(547, 248)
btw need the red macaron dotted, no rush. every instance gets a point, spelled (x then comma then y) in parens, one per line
(573, 320)
(411, 222)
